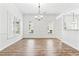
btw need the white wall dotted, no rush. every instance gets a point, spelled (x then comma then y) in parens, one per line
(5, 25)
(59, 28)
(69, 37)
(40, 27)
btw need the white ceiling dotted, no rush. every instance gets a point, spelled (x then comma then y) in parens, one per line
(47, 8)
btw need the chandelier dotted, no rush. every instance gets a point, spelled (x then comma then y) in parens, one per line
(39, 16)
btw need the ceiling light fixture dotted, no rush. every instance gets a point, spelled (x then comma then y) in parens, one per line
(39, 16)
(74, 18)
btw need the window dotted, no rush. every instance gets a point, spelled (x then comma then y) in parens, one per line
(31, 30)
(16, 26)
(71, 21)
(50, 29)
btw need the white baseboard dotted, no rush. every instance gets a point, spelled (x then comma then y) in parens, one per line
(10, 43)
(62, 40)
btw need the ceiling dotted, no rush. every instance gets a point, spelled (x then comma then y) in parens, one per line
(46, 8)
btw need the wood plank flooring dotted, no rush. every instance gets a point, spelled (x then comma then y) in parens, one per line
(39, 47)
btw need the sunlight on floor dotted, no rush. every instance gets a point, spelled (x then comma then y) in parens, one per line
(30, 47)
(49, 46)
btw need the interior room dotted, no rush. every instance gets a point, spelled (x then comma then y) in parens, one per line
(39, 29)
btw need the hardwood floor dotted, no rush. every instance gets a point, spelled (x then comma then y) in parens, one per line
(39, 47)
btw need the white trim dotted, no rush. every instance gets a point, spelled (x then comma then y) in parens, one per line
(10, 43)
(67, 43)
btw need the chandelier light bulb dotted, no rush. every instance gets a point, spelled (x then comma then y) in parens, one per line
(36, 16)
(41, 16)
